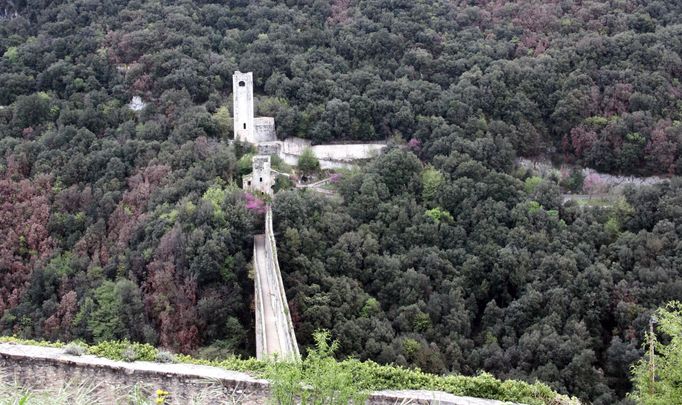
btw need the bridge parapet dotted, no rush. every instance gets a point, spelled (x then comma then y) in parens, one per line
(271, 250)
(274, 329)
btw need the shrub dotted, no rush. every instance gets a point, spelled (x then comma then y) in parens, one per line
(75, 349)
(165, 357)
(319, 379)
(129, 354)
(124, 350)
(531, 184)
(307, 162)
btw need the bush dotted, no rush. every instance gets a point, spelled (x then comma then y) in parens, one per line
(125, 351)
(75, 349)
(319, 379)
(165, 357)
(308, 162)
(129, 354)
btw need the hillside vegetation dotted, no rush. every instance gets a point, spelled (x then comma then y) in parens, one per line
(125, 225)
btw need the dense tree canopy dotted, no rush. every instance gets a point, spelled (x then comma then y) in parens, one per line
(479, 275)
(118, 224)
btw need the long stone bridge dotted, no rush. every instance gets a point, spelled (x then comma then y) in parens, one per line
(274, 331)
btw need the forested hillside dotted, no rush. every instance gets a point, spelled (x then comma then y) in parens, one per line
(119, 224)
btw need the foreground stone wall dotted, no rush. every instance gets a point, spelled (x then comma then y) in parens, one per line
(45, 368)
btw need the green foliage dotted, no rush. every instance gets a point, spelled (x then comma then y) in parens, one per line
(223, 119)
(12, 54)
(117, 312)
(532, 183)
(664, 388)
(438, 214)
(422, 322)
(216, 196)
(30, 342)
(282, 183)
(124, 351)
(432, 180)
(371, 307)
(597, 120)
(318, 379)
(612, 226)
(533, 207)
(279, 164)
(574, 182)
(308, 162)
(410, 346)
(75, 349)
(635, 137)
(372, 376)
(245, 164)
(94, 192)
(70, 393)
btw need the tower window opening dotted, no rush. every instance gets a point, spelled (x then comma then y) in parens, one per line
(261, 179)
(245, 125)
(242, 84)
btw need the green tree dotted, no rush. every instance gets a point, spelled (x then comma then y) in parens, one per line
(308, 162)
(32, 110)
(432, 180)
(657, 375)
(12, 54)
(223, 120)
(118, 313)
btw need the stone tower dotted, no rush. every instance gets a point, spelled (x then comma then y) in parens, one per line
(242, 89)
(261, 179)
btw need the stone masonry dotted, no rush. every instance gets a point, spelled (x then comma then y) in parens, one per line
(242, 90)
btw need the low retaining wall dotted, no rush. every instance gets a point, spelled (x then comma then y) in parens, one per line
(45, 367)
(49, 368)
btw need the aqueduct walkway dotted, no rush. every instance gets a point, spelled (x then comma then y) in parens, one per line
(274, 330)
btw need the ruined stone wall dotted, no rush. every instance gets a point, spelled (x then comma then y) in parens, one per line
(270, 148)
(264, 129)
(261, 178)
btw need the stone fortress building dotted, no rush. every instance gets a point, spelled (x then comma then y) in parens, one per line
(242, 91)
(262, 178)
(261, 132)
(247, 127)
